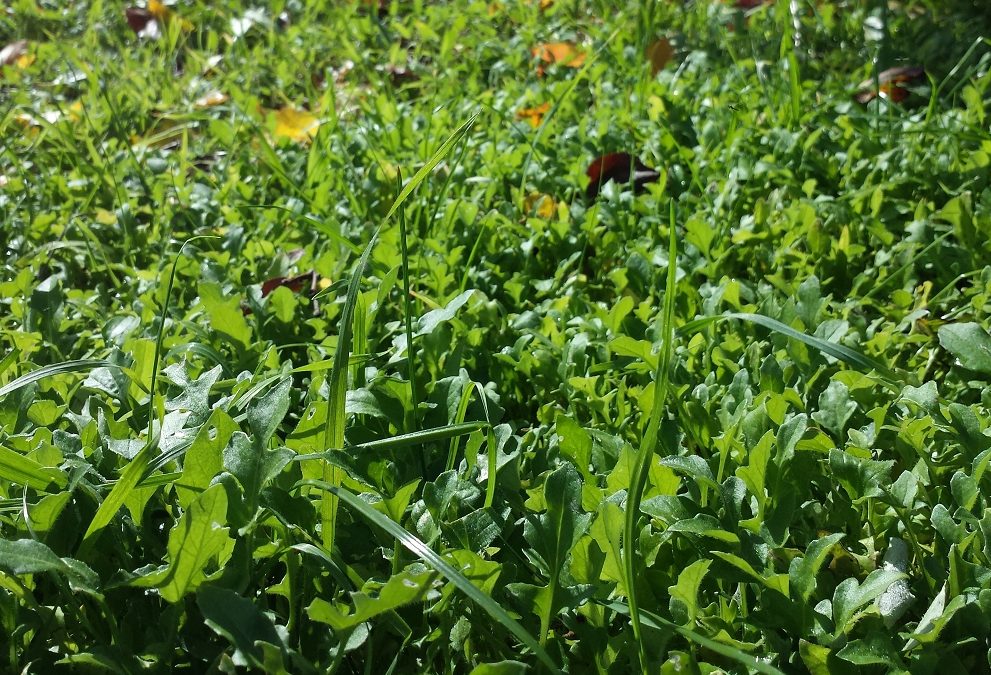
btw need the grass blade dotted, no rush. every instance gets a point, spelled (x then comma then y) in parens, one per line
(416, 546)
(421, 175)
(837, 351)
(648, 445)
(451, 431)
(55, 369)
(333, 433)
(655, 621)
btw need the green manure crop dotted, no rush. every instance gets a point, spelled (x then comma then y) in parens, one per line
(495, 337)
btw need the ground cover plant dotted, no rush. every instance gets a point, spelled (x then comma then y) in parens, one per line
(495, 337)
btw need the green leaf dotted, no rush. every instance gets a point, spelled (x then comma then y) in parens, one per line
(554, 533)
(607, 531)
(265, 415)
(837, 351)
(204, 459)
(875, 649)
(802, 572)
(26, 556)
(239, 621)
(253, 465)
(425, 170)
(500, 668)
(373, 599)
(969, 343)
(333, 430)
(194, 543)
(655, 621)
(684, 594)
(835, 408)
(226, 316)
(54, 369)
(775, 582)
(850, 596)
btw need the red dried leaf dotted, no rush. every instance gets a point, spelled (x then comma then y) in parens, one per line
(890, 84)
(137, 18)
(621, 167)
(308, 283)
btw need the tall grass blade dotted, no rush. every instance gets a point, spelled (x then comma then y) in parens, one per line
(333, 432)
(649, 443)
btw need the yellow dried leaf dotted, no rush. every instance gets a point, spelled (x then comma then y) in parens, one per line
(659, 53)
(533, 115)
(75, 111)
(541, 205)
(161, 13)
(296, 125)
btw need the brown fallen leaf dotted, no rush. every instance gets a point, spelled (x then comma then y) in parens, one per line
(659, 53)
(891, 84)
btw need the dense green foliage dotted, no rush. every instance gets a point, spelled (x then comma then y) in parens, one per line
(779, 350)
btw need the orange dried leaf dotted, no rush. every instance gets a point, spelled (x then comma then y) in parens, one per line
(659, 53)
(533, 115)
(560, 53)
(296, 125)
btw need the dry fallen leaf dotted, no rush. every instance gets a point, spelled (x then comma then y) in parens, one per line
(297, 125)
(621, 167)
(659, 53)
(560, 53)
(211, 99)
(16, 54)
(890, 84)
(147, 21)
(533, 115)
